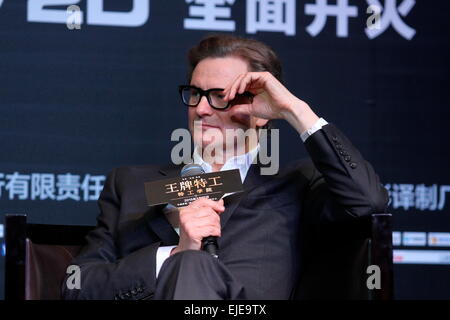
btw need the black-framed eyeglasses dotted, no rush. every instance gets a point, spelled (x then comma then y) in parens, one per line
(191, 96)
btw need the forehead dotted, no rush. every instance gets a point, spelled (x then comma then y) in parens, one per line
(218, 72)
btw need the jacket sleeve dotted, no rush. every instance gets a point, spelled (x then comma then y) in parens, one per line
(103, 274)
(342, 183)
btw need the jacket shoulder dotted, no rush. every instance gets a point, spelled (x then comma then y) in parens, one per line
(125, 177)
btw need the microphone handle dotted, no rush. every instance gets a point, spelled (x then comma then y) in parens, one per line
(210, 246)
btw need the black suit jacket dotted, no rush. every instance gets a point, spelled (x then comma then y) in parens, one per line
(264, 229)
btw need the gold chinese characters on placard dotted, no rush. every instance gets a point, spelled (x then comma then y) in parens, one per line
(194, 186)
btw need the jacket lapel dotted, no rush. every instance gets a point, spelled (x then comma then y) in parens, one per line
(231, 202)
(157, 220)
(158, 223)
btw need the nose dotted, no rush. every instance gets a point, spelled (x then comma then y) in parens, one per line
(203, 108)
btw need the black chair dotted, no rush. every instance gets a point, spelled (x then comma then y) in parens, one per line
(37, 257)
(338, 254)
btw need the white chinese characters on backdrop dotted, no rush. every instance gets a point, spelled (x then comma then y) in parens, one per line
(50, 186)
(280, 16)
(217, 15)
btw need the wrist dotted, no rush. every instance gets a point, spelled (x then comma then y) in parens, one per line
(300, 116)
(183, 246)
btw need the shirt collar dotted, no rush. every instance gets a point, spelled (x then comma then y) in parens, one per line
(241, 162)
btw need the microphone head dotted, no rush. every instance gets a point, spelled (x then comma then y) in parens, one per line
(191, 170)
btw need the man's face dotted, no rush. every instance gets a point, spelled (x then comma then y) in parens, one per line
(219, 73)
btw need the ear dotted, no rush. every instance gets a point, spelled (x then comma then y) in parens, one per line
(260, 122)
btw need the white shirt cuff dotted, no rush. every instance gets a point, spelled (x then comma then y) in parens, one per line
(316, 126)
(161, 255)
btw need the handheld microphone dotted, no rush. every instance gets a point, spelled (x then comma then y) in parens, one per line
(209, 243)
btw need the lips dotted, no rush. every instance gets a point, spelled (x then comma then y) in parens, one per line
(203, 125)
(209, 126)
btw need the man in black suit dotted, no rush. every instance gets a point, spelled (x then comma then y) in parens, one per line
(135, 253)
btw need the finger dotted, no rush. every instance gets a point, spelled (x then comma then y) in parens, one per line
(211, 217)
(245, 82)
(228, 89)
(255, 83)
(203, 223)
(205, 212)
(234, 87)
(195, 213)
(203, 215)
(210, 231)
(202, 202)
(216, 205)
(229, 86)
(199, 229)
(252, 80)
(208, 224)
(197, 203)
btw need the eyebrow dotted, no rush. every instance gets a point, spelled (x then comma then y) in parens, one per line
(200, 87)
(213, 88)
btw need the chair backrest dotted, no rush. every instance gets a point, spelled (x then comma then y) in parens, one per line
(338, 256)
(37, 257)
